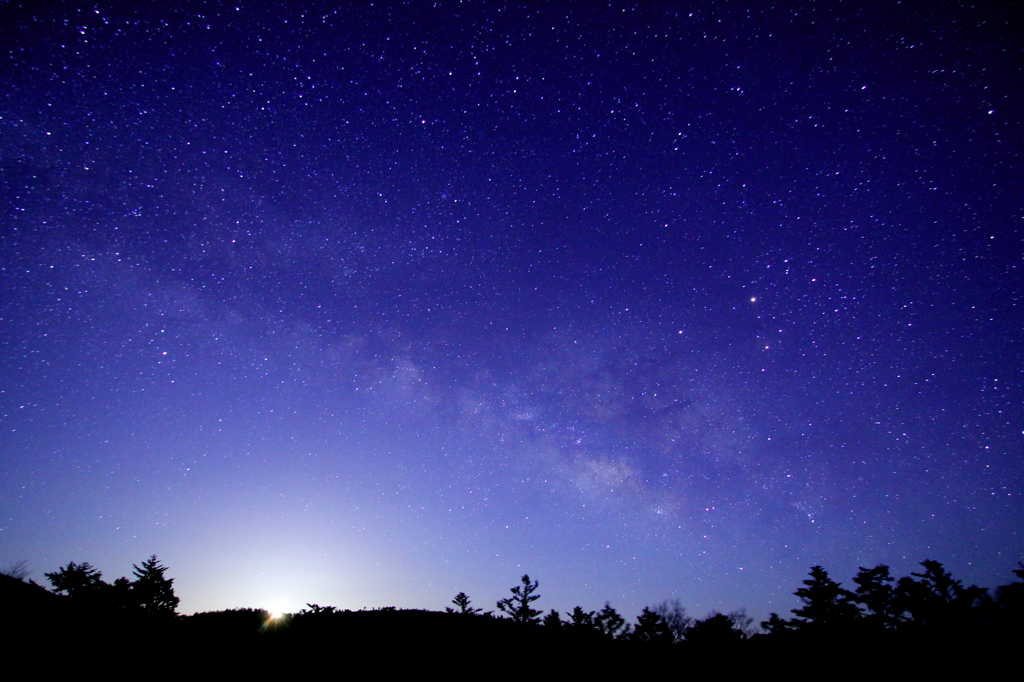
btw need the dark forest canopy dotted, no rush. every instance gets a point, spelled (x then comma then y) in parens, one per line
(928, 604)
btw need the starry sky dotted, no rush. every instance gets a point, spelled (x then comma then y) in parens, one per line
(367, 306)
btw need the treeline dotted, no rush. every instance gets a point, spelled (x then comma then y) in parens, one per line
(664, 623)
(150, 593)
(928, 610)
(929, 602)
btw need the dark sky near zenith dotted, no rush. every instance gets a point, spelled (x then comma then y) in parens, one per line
(367, 306)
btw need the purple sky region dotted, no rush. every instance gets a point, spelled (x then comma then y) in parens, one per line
(367, 304)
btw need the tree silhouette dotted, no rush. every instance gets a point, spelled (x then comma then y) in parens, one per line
(716, 630)
(553, 620)
(651, 627)
(518, 605)
(936, 599)
(1009, 604)
(673, 613)
(741, 622)
(461, 600)
(610, 623)
(151, 591)
(776, 624)
(316, 610)
(582, 621)
(938, 581)
(881, 610)
(119, 595)
(77, 580)
(826, 604)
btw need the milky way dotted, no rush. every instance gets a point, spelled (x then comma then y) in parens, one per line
(368, 306)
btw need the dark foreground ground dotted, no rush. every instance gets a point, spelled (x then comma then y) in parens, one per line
(47, 635)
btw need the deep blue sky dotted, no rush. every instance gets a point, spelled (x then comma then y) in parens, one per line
(369, 306)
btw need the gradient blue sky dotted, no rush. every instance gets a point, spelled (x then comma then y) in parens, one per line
(368, 306)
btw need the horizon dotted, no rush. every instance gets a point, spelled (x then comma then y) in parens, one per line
(275, 613)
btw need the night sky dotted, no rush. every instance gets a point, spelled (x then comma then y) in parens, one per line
(368, 306)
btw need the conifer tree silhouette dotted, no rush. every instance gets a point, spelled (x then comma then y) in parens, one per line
(461, 600)
(652, 627)
(151, 591)
(582, 621)
(826, 604)
(610, 623)
(553, 620)
(518, 605)
(77, 580)
(936, 599)
(877, 597)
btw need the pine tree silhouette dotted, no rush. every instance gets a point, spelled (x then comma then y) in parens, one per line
(582, 621)
(462, 601)
(151, 591)
(553, 620)
(651, 627)
(878, 598)
(826, 604)
(518, 605)
(936, 599)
